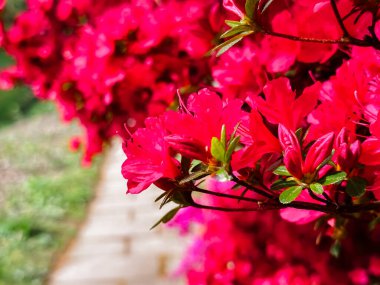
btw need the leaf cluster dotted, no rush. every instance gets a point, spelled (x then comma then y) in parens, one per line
(355, 186)
(245, 27)
(222, 150)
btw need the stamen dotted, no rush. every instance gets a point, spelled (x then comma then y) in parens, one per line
(128, 131)
(182, 106)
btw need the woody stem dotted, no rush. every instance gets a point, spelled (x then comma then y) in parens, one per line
(253, 188)
(223, 195)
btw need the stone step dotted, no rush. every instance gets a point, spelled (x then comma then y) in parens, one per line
(114, 245)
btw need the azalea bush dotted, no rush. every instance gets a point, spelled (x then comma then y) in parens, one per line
(102, 64)
(290, 124)
(265, 130)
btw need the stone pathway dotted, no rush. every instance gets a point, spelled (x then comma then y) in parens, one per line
(115, 246)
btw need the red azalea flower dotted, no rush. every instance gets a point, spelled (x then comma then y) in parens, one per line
(148, 157)
(191, 132)
(257, 141)
(282, 106)
(239, 72)
(348, 97)
(347, 151)
(370, 152)
(293, 160)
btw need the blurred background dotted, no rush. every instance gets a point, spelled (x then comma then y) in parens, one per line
(65, 224)
(44, 191)
(43, 188)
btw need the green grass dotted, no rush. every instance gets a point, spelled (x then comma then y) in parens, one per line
(19, 102)
(12, 9)
(16, 103)
(43, 196)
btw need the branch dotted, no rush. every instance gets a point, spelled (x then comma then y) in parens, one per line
(372, 28)
(249, 186)
(328, 199)
(332, 209)
(328, 209)
(196, 189)
(310, 40)
(352, 40)
(260, 207)
(315, 197)
(339, 19)
(346, 39)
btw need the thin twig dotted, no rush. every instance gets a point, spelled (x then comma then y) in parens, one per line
(224, 209)
(310, 40)
(204, 191)
(372, 28)
(315, 197)
(349, 14)
(339, 19)
(328, 209)
(328, 199)
(346, 39)
(249, 186)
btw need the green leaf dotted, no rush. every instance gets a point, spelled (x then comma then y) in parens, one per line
(266, 6)
(316, 188)
(281, 184)
(373, 224)
(335, 249)
(197, 165)
(223, 136)
(222, 175)
(194, 176)
(236, 186)
(332, 164)
(167, 199)
(325, 161)
(161, 196)
(291, 73)
(235, 31)
(231, 147)
(290, 194)
(250, 6)
(234, 133)
(299, 134)
(182, 198)
(232, 24)
(321, 222)
(356, 186)
(282, 171)
(333, 178)
(217, 149)
(243, 194)
(168, 216)
(223, 47)
(67, 85)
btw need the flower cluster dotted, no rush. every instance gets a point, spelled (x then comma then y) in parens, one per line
(111, 63)
(283, 147)
(270, 170)
(259, 249)
(291, 123)
(284, 115)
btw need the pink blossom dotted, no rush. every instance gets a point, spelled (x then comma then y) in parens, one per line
(208, 112)
(293, 160)
(240, 73)
(359, 276)
(282, 106)
(257, 140)
(149, 157)
(374, 266)
(370, 152)
(299, 216)
(230, 5)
